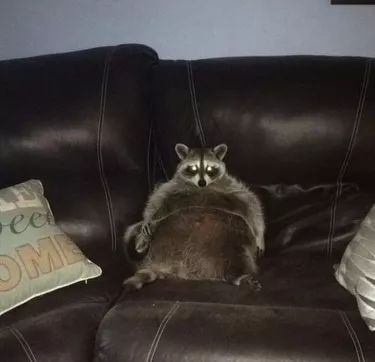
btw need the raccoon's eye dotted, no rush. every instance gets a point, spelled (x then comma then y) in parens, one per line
(212, 171)
(192, 170)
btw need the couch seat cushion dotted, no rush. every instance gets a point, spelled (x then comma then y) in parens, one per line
(301, 314)
(60, 326)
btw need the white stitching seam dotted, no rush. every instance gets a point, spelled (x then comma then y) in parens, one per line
(353, 336)
(26, 348)
(26, 343)
(194, 103)
(159, 332)
(148, 158)
(103, 99)
(157, 158)
(154, 163)
(162, 166)
(345, 163)
(356, 337)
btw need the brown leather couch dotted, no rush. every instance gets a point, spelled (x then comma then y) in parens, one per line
(98, 128)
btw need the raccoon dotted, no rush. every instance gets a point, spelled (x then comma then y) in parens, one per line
(201, 224)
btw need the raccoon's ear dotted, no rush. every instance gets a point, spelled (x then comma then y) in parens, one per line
(220, 151)
(181, 150)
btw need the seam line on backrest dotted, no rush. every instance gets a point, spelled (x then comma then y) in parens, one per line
(160, 160)
(345, 163)
(194, 103)
(99, 150)
(148, 160)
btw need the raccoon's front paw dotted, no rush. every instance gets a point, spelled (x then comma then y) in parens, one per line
(248, 281)
(141, 243)
(143, 239)
(146, 230)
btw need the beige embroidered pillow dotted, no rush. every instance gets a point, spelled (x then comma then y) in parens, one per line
(356, 271)
(36, 257)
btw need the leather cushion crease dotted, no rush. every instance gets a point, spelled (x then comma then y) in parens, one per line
(98, 128)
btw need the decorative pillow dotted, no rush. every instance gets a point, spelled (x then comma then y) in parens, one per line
(356, 271)
(36, 257)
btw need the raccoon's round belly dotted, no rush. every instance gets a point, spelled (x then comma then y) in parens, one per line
(199, 243)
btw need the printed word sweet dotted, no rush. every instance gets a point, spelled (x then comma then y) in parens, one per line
(20, 223)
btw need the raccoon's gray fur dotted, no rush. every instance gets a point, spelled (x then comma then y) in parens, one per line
(202, 224)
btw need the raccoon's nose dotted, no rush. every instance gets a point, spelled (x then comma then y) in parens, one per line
(201, 183)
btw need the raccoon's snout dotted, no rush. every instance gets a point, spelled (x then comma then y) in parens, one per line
(202, 183)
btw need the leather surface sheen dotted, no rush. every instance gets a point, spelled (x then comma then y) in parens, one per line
(301, 314)
(59, 326)
(300, 129)
(98, 128)
(79, 123)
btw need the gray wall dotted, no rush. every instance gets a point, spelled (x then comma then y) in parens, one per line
(187, 28)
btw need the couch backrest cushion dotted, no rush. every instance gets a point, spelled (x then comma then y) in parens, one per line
(301, 127)
(79, 122)
(296, 113)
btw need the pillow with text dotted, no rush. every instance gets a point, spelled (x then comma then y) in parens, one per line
(36, 256)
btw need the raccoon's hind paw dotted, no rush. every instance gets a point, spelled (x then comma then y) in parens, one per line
(139, 279)
(131, 284)
(248, 281)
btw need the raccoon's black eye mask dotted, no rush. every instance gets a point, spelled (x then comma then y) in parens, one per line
(191, 170)
(212, 171)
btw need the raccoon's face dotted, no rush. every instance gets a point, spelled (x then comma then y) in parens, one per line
(201, 166)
